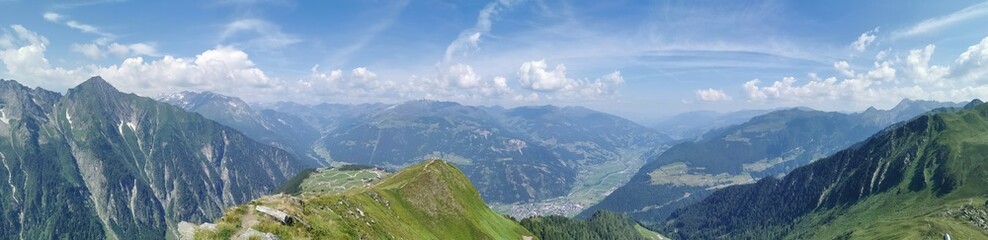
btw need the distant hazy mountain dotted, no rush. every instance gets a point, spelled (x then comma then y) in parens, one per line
(429, 200)
(511, 155)
(924, 179)
(326, 117)
(768, 145)
(690, 125)
(505, 166)
(96, 163)
(284, 131)
(514, 155)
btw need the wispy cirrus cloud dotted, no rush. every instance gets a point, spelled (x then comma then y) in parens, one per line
(258, 34)
(77, 4)
(935, 24)
(86, 28)
(104, 44)
(469, 38)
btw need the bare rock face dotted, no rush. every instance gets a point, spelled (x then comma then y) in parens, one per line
(120, 166)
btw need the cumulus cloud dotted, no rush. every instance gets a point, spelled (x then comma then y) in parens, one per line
(461, 82)
(221, 69)
(844, 68)
(23, 56)
(972, 64)
(536, 76)
(918, 66)
(881, 84)
(864, 40)
(712, 95)
(461, 76)
(338, 85)
(228, 69)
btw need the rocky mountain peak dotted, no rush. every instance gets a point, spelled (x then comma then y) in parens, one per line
(97, 83)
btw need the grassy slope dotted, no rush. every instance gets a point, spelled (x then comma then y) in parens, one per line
(897, 185)
(430, 200)
(899, 214)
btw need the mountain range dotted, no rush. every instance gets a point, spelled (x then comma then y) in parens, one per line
(121, 166)
(97, 163)
(765, 146)
(693, 124)
(513, 156)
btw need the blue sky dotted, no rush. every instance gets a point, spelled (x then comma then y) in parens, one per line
(639, 59)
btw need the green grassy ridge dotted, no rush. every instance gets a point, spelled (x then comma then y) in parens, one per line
(429, 200)
(896, 185)
(316, 181)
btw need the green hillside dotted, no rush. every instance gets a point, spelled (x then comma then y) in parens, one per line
(769, 145)
(429, 200)
(602, 225)
(918, 180)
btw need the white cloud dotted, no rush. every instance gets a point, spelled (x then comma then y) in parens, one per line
(229, 70)
(469, 38)
(90, 50)
(86, 28)
(554, 84)
(358, 84)
(30, 37)
(461, 83)
(52, 17)
(881, 55)
(23, 57)
(935, 24)
(221, 69)
(534, 75)
(100, 49)
(844, 68)
(919, 69)
(462, 76)
(261, 34)
(864, 40)
(972, 64)
(882, 72)
(712, 95)
(881, 84)
(136, 49)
